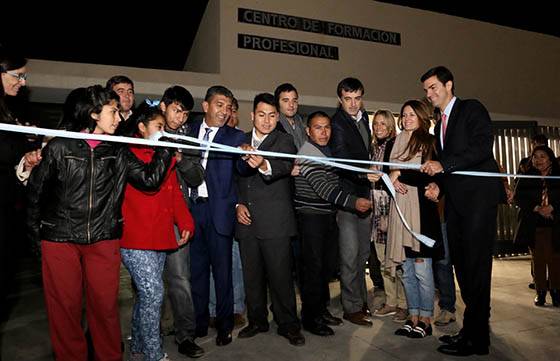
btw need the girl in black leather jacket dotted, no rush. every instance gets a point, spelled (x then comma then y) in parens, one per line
(74, 210)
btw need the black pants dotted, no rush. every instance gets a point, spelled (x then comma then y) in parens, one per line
(319, 241)
(471, 240)
(267, 262)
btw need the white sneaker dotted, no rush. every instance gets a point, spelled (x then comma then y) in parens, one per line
(444, 318)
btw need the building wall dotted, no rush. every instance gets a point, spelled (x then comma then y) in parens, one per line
(515, 73)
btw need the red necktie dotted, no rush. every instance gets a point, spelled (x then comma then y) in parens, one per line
(443, 125)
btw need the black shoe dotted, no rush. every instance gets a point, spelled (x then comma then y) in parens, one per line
(294, 336)
(540, 299)
(252, 330)
(421, 330)
(190, 349)
(406, 329)
(463, 348)
(532, 285)
(223, 338)
(318, 328)
(451, 339)
(365, 310)
(329, 320)
(555, 295)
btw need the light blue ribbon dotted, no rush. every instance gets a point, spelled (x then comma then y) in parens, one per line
(216, 147)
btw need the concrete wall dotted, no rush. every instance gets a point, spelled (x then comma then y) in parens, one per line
(514, 73)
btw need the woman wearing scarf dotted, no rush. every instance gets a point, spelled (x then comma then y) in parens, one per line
(414, 145)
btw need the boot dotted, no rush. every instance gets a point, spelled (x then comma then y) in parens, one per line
(555, 295)
(541, 298)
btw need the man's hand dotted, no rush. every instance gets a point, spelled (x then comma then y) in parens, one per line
(31, 159)
(362, 204)
(257, 161)
(243, 214)
(295, 170)
(185, 235)
(431, 167)
(432, 192)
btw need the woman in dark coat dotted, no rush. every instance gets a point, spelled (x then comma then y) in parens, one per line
(539, 221)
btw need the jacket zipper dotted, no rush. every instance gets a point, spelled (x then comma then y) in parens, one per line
(90, 197)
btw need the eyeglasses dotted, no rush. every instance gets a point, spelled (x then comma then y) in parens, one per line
(20, 77)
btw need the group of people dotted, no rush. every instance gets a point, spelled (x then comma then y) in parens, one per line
(176, 214)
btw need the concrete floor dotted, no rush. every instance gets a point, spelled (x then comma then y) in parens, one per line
(520, 331)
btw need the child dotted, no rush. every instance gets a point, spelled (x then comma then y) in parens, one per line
(74, 210)
(148, 233)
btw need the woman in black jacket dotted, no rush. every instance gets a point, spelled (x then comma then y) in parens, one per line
(75, 196)
(539, 221)
(12, 148)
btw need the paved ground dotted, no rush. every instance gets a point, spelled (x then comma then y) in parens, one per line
(520, 331)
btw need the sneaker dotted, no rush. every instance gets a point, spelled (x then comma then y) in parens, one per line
(406, 329)
(444, 318)
(386, 310)
(165, 358)
(421, 330)
(401, 315)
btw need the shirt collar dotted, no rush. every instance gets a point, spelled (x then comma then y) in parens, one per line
(449, 107)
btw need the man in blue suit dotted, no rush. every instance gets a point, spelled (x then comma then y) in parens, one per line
(213, 207)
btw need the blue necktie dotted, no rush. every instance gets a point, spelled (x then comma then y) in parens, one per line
(194, 190)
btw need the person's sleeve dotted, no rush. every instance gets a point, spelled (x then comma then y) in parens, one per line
(147, 176)
(181, 215)
(38, 180)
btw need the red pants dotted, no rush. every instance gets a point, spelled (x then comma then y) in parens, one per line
(68, 269)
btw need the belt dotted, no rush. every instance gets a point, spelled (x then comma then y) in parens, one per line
(200, 200)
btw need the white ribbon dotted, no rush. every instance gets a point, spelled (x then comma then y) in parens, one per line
(206, 145)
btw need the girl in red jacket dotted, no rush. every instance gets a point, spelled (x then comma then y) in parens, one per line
(150, 220)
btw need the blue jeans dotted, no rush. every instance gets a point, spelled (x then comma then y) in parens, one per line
(353, 242)
(419, 287)
(178, 275)
(146, 269)
(237, 278)
(443, 272)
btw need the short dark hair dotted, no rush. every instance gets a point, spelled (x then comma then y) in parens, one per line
(286, 87)
(540, 139)
(235, 103)
(349, 85)
(442, 74)
(118, 79)
(95, 97)
(69, 110)
(218, 90)
(178, 94)
(266, 98)
(316, 114)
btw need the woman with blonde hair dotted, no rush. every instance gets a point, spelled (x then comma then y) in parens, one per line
(384, 133)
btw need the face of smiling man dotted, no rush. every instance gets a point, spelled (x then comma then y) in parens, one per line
(265, 118)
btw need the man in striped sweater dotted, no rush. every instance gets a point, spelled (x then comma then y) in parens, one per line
(317, 197)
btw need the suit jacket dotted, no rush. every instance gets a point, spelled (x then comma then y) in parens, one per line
(468, 147)
(219, 177)
(346, 142)
(268, 197)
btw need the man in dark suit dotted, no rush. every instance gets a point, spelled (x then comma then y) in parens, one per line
(213, 208)
(266, 221)
(465, 143)
(351, 138)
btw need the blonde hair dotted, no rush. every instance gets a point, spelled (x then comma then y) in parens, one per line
(389, 119)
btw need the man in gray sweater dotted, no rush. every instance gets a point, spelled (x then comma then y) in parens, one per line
(317, 197)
